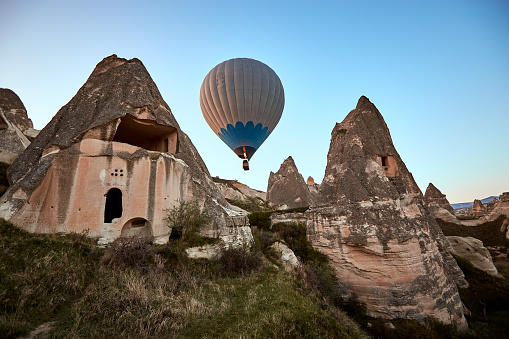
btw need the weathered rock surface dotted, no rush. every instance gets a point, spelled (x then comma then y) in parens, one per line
(437, 204)
(490, 206)
(478, 208)
(313, 187)
(14, 110)
(112, 161)
(287, 188)
(371, 222)
(499, 209)
(13, 122)
(232, 189)
(290, 261)
(473, 250)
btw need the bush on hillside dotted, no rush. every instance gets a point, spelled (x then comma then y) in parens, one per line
(185, 220)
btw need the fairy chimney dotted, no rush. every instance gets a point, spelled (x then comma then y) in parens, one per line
(371, 222)
(286, 188)
(478, 208)
(110, 162)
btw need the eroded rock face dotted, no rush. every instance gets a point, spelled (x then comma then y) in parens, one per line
(232, 189)
(13, 122)
(478, 208)
(287, 187)
(14, 110)
(370, 220)
(112, 161)
(473, 250)
(437, 204)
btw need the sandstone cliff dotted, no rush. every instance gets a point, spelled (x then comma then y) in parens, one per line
(286, 188)
(371, 222)
(111, 161)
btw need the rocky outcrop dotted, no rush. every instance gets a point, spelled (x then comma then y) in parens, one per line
(111, 162)
(14, 122)
(473, 250)
(232, 189)
(437, 204)
(490, 206)
(478, 208)
(313, 187)
(14, 110)
(286, 188)
(370, 220)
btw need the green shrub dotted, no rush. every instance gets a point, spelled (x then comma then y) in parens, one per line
(132, 252)
(260, 219)
(240, 261)
(251, 204)
(295, 237)
(185, 219)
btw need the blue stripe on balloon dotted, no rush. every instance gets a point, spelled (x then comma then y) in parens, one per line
(244, 135)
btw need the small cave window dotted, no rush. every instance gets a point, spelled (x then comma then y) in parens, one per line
(147, 134)
(113, 207)
(389, 165)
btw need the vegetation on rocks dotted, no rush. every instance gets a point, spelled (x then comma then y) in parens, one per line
(135, 289)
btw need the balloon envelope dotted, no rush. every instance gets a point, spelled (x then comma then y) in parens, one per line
(242, 101)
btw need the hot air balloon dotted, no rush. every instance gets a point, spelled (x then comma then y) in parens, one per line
(242, 101)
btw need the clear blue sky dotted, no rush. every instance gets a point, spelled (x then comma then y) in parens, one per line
(438, 71)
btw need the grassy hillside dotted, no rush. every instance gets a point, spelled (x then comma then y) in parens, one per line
(135, 289)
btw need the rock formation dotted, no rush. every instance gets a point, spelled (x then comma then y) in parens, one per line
(371, 222)
(478, 208)
(438, 205)
(490, 206)
(313, 187)
(14, 122)
(473, 250)
(111, 162)
(232, 189)
(286, 188)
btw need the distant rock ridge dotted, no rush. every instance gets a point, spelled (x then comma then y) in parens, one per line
(286, 188)
(370, 220)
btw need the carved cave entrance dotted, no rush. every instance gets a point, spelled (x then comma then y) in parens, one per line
(113, 207)
(137, 227)
(147, 134)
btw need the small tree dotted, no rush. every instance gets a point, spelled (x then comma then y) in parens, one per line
(184, 219)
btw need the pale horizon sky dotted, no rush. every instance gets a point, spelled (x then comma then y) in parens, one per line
(438, 71)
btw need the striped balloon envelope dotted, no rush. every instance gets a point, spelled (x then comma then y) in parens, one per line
(242, 100)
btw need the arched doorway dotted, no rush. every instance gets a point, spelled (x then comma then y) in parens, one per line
(137, 227)
(113, 207)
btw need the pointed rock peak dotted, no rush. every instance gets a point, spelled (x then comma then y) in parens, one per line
(362, 162)
(364, 104)
(435, 198)
(288, 162)
(311, 181)
(287, 186)
(14, 110)
(432, 191)
(111, 62)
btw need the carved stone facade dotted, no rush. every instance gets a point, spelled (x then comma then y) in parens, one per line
(111, 162)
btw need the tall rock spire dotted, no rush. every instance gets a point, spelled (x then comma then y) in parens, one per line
(371, 222)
